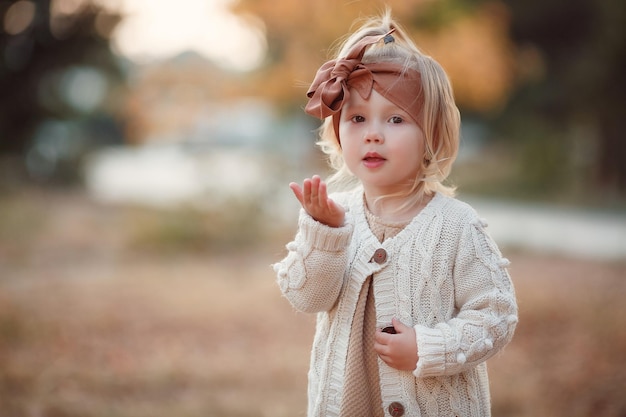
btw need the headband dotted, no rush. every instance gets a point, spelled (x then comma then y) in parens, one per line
(333, 81)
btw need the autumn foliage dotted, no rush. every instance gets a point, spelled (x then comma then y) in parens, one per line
(474, 47)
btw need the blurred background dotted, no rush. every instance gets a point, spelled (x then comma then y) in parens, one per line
(145, 152)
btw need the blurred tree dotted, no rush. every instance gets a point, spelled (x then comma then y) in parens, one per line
(572, 88)
(548, 74)
(57, 75)
(474, 48)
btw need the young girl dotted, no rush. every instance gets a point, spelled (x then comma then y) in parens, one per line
(411, 294)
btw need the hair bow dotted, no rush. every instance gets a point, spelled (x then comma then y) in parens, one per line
(333, 81)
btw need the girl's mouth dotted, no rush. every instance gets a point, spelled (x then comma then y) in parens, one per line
(373, 160)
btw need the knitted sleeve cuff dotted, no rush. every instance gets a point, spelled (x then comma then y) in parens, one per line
(431, 351)
(322, 237)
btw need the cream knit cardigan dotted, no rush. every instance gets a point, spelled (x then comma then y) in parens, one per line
(443, 275)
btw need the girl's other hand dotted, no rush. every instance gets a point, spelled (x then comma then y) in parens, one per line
(397, 350)
(314, 199)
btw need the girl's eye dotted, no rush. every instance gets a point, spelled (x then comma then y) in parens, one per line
(396, 119)
(358, 119)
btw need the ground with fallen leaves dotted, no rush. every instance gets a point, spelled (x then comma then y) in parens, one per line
(104, 313)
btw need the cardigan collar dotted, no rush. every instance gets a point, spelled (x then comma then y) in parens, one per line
(361, 224)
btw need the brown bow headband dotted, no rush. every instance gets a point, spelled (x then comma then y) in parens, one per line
(331, 86)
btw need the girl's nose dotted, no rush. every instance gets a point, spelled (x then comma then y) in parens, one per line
(374, 134)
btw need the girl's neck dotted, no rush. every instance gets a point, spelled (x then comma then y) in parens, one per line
(395, 209)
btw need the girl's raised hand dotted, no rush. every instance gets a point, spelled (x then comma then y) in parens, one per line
(314, 199)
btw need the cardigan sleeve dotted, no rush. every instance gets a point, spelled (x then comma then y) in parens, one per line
(311, 275)
(485, 305)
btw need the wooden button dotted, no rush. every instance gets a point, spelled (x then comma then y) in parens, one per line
(396, 409)
(380, 256)
(389, 329)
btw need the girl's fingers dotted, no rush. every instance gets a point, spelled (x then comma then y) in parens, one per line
(313, 191)
(399, 326)
(315, 185)
(323, 195)
(313, 196)
(297, 191)
(306, 186)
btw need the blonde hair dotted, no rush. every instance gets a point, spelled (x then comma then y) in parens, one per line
(440, 116)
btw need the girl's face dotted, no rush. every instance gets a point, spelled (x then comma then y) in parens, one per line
(382, 146)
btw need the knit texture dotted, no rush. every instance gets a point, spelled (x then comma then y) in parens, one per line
(361, 384)
(443, 275)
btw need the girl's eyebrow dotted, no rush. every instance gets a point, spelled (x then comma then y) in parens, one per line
(351, 108)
